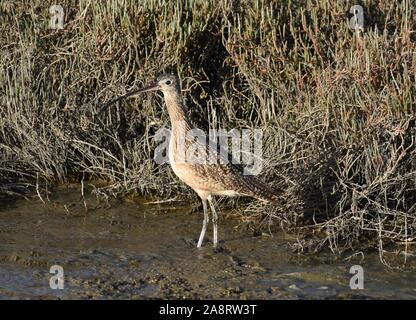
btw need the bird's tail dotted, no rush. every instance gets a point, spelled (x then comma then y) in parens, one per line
(259, 190)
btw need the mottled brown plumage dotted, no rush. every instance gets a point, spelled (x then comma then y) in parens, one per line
(209, 172)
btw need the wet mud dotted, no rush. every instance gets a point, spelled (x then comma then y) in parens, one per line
(133, 250)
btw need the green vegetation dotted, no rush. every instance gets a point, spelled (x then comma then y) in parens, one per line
(337, 105)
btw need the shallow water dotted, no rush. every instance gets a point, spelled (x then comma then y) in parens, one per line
(133, 250)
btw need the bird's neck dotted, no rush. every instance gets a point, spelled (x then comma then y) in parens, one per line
(178, 112)
(181, 126)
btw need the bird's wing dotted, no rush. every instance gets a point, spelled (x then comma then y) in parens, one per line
(219, 165)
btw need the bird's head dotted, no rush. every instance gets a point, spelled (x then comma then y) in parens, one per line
(167, 83)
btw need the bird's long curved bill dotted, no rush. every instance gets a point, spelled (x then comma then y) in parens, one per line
(133, 93)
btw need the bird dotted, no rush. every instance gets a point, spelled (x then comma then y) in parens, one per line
(215, 175)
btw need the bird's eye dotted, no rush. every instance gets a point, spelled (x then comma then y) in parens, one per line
(168, 82)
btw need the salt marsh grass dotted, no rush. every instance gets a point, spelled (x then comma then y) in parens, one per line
(336, 105)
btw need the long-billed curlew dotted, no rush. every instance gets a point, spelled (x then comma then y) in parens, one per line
(215, 176)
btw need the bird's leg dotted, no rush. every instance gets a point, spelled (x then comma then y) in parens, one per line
(204, 224)
(214, 220)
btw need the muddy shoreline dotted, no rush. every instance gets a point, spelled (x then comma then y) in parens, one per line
(135, 251)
